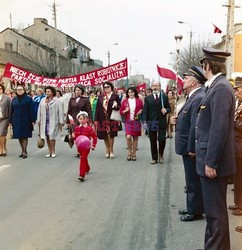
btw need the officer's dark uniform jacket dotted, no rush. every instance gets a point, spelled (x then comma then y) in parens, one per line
(215, 133)
(186, 123)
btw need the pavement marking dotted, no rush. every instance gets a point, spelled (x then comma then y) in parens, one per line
(4, 167)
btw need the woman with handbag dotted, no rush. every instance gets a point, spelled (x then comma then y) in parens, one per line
(107, 128)
(50, 118)
(22, 118)
(131, 109)
(5, 113)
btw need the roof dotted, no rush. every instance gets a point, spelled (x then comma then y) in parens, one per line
(30, 39)
(20, 61)
(46, 24)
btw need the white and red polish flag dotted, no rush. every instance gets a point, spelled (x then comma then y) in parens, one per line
(71, 120)
(170, 74)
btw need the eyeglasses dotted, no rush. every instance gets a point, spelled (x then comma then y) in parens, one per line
(106, 87)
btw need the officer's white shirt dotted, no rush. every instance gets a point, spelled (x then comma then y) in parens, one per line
(193, 91)
(209, 82)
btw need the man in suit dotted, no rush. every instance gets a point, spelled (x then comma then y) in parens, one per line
(185, 142)
(156, 107)
(215, 157)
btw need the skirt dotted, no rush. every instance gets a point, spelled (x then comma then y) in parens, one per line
(133, 128)
(4, 127)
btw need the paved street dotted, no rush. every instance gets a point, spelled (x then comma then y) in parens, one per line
(121, 205)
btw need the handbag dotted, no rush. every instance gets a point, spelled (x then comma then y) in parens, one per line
(115, 115)
(10, 132)
(40, 142)
(68, 138)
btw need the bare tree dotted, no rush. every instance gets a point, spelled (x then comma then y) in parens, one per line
(186, 60)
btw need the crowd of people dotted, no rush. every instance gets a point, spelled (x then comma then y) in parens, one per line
(207, 127)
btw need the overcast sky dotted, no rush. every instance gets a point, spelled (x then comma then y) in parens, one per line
(143, 29)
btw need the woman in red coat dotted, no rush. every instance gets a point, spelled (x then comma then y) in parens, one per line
(131, 109)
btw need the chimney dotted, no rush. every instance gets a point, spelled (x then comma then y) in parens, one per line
(40, 20)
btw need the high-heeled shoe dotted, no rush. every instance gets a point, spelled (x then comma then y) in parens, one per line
(4, 154)
(129, 157)
(107, 155)
(111, 155)
(24, 156)
(134, 158)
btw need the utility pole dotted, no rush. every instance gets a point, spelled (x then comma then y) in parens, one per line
(229, 40)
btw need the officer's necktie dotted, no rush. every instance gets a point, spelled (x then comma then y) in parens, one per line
(156, 99)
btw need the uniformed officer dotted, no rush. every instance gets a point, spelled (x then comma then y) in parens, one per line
(185, 142)
(215, 159)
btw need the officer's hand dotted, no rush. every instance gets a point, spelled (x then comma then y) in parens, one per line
(192, 155)
(210, 172)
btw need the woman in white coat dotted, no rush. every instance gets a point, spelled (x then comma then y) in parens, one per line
(50, 119)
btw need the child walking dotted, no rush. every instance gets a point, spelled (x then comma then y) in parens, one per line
(88, 131)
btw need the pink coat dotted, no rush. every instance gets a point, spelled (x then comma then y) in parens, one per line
(125, 104)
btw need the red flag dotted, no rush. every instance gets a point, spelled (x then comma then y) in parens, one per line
(170, 74)
(217, 30)
(141, 86)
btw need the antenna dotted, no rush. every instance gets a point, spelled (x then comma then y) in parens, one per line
(11, 25)
(53, 7)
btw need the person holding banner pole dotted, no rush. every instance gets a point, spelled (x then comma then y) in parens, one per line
(155, 110)
(107, 129)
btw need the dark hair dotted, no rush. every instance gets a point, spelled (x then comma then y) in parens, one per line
(99, 90)
(20, 85)
(171, 92)
(149, 89)
(2, 86)
(215, 67)
(109, 84)
(133, 89)
(52, 89)
(91, 91)
(79, 87)
(59, 91)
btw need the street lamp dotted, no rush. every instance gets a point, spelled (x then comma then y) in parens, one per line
(178, 39)
(109, 52)
(190, 47)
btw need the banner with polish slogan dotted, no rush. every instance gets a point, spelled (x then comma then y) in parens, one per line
(110, 73)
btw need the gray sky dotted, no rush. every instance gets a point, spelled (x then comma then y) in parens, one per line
(144, 29)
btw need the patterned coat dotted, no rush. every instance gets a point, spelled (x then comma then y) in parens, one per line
(102, 121)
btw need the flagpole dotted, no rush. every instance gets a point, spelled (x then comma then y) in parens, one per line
(178, 39)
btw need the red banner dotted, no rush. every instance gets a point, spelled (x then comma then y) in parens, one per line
(93, 78)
